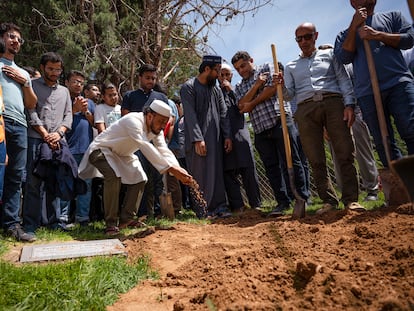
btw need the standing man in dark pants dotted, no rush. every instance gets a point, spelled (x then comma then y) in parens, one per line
(257, 95)
(387, 33)
(240, 160)
(134, 101)
(324, 93)
(17, 95)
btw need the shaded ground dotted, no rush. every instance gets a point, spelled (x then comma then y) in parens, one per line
(340, 261)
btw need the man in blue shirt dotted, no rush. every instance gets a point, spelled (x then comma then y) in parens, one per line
(387, 33)
(17, 95)
(79, 138)
(324, 93)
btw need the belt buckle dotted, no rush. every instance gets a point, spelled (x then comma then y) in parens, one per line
(317, 97)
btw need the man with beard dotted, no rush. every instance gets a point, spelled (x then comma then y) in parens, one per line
(205, 127)
(111, 156)
(17, 95)
(49, 121)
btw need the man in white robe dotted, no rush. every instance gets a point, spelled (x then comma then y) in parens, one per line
(111, 155)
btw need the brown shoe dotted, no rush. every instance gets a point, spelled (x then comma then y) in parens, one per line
(132, 224)
(325, 208)
(111, 231)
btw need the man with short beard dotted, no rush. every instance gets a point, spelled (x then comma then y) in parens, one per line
(111, 156)
(17, 95)
(205, 127)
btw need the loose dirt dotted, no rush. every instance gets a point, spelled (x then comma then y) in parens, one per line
(340, 261)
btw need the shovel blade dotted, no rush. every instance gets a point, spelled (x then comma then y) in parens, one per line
(299, 210)
(166, 204)
(404, 168)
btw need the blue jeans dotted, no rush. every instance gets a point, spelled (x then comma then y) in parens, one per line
(271, 149)
(35, 194)
(16, 138)
(83, 201)
(397, 102)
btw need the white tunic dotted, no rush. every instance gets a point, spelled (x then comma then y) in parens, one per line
(120, 141)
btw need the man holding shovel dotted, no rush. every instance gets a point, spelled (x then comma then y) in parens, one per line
(387, 33)
(324, 94)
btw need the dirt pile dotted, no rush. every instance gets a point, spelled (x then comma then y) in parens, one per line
(340, 261)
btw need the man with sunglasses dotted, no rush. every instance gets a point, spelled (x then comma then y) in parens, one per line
(387, 34)
(17, 95)
(323, 90)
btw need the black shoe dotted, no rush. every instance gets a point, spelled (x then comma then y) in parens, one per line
(279, 210)
(18, 234)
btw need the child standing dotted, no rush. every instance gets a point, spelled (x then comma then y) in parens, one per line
(109, 111)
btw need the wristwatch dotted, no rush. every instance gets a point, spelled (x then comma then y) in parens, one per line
(26, 84)
(61, 133)
(87, 113)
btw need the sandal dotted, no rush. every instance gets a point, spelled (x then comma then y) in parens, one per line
(111, 231)
(355, 206)
(132, 224)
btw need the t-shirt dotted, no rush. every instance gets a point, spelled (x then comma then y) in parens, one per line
(107, 114)
(13, 94)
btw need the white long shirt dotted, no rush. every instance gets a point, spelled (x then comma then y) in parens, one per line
(120, 141)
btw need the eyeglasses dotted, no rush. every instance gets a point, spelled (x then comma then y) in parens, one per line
(307, 37)
(12, 36)
(57, 70)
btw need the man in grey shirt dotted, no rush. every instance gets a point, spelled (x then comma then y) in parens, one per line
(49, 121)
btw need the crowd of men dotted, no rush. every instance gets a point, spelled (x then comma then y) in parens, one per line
(65, 143)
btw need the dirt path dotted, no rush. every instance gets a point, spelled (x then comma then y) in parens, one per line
(341, 261)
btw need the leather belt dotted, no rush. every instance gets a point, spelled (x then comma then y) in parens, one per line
(320, 96)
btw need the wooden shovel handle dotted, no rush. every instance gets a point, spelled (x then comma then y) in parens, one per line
(285, 131)
(378, 101)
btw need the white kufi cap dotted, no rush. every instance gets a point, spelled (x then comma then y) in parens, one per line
(161, 108)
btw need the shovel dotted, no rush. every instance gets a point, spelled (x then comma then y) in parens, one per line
(300, 203)
(166, 203)
(401, 176)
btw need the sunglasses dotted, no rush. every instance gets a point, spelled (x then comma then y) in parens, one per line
(307, 37)
(12, 36)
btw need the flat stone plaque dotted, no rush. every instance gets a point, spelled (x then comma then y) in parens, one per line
(44, 252)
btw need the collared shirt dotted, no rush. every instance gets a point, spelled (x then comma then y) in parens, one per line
(134, 101)
(389, 62)
(12, 93)
(321, 72)
(266, 114)
(53, 108)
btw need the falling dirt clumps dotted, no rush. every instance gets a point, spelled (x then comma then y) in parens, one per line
(339, 261)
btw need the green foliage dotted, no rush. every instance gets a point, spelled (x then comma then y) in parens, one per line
(83, 284)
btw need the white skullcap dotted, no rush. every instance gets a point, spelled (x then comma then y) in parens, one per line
(225, 66)
(161, 108)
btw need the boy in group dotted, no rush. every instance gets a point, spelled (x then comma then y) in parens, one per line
(109, 111)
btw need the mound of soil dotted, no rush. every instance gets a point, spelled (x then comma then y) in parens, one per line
(339, 261)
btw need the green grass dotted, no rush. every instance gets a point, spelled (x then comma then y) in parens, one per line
(76, 284)
(81, 284)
